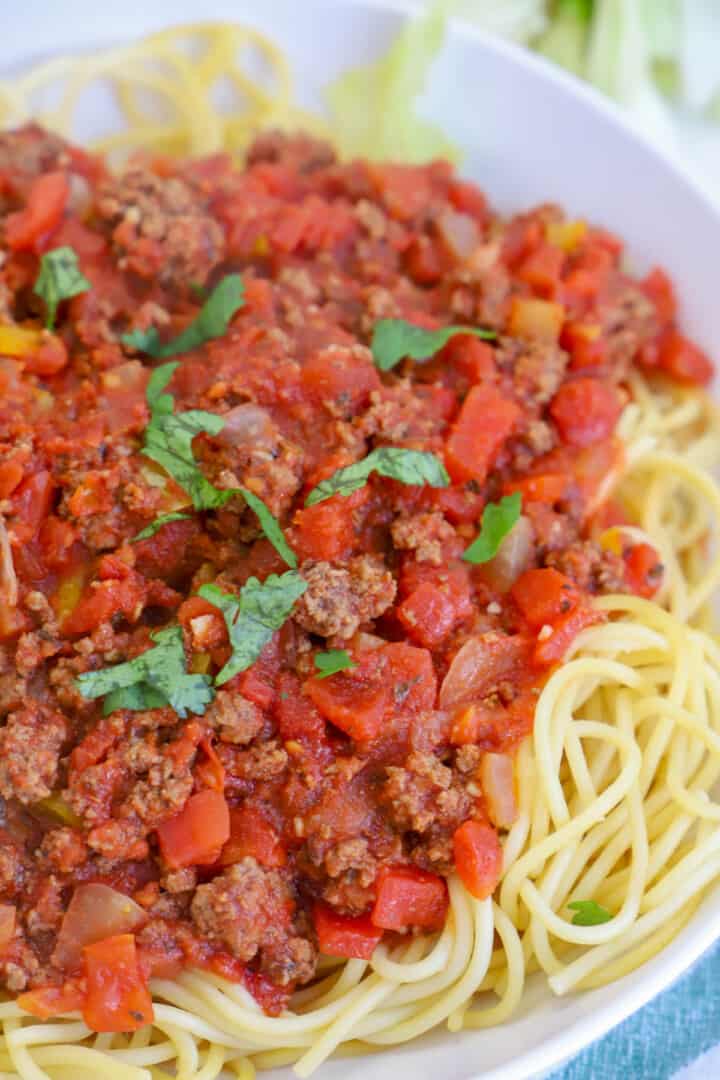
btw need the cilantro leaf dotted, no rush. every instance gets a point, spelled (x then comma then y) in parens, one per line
(498, 519)
(407, 466)
(254, 615)
(156, 677)
(332, 661)
(168, 441)
(227, 297)
(589, 913)
(157, 524)
(271, 527)
(395, 339)
(60, 278)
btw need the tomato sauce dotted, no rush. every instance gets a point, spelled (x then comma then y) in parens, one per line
(296, 807)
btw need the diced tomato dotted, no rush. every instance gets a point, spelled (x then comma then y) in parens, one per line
(544, 596)
(354, 700)
(252, 835)
(683, 360)
(486, 420)
(586, 345)
(258, 683)
(7, 925)
(406, 896)
(345, 935)
(585, 411)
(11, 473)
(50, 358)
(296, 714)
(546, 488)
(340, 376)
(31, 504)
(95, 745)
(643, 570)
(117, 995)
(542, 268)
(552, 649)
(195, 836)
(46, 1002)
(46, 202)
(325, 531)
(56, 540)
(471, 357)
(478, 858)
(428, 614)
(411, 677)
(459, 503)
(495, 726)
(121, 591)
(658, 287)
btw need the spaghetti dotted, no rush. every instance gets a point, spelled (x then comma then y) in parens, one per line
(615, 783)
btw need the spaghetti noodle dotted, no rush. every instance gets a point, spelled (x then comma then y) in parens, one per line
(615, 784)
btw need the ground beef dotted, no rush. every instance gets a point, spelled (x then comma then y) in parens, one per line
(535, 368)
(64, 849)
(339, 599)
(243, 909)
(27, 153)
(298, 151)
(590, 567)
(164, 790)
(30, 745)
(236, 719)
(538, 437)
(553, 531)
(424, 794)
(628, 319)
(426, 534)
(264, 761)
(160, 228)
(289, 962)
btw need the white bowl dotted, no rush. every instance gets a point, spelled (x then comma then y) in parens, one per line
(530, 134)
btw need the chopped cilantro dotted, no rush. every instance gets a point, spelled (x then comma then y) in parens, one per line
(60, 278)
(156, 678)
(227, 297)
(253, 616)
(332, 661)
(498, 519)
(589, 913)
(407, 466)
(395, 339)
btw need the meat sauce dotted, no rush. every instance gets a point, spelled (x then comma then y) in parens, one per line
(331, 809)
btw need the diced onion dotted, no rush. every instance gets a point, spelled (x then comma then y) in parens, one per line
(498, 784)
(8, 577)
(95, 912)
(482, 662)
(513, 556)
(459, 232)
(247, 425)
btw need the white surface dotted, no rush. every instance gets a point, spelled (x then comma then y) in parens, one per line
(530, 134)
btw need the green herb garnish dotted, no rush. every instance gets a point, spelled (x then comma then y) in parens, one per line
(157, 524)
(60, 278)
(589, 913)
(395, 339)
(156, 678)
(271, 527)
(407, 466)
(168, 441)
(227, 297)
(498, 519)
(332, 661)
(254, 615)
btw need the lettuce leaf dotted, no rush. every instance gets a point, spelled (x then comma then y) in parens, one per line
(373, 106)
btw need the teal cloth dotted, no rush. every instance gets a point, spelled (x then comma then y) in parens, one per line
(666, 1035)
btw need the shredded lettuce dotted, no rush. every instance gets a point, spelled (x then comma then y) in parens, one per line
(373, 107)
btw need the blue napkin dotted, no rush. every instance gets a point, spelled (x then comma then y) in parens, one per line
(667, 1034)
